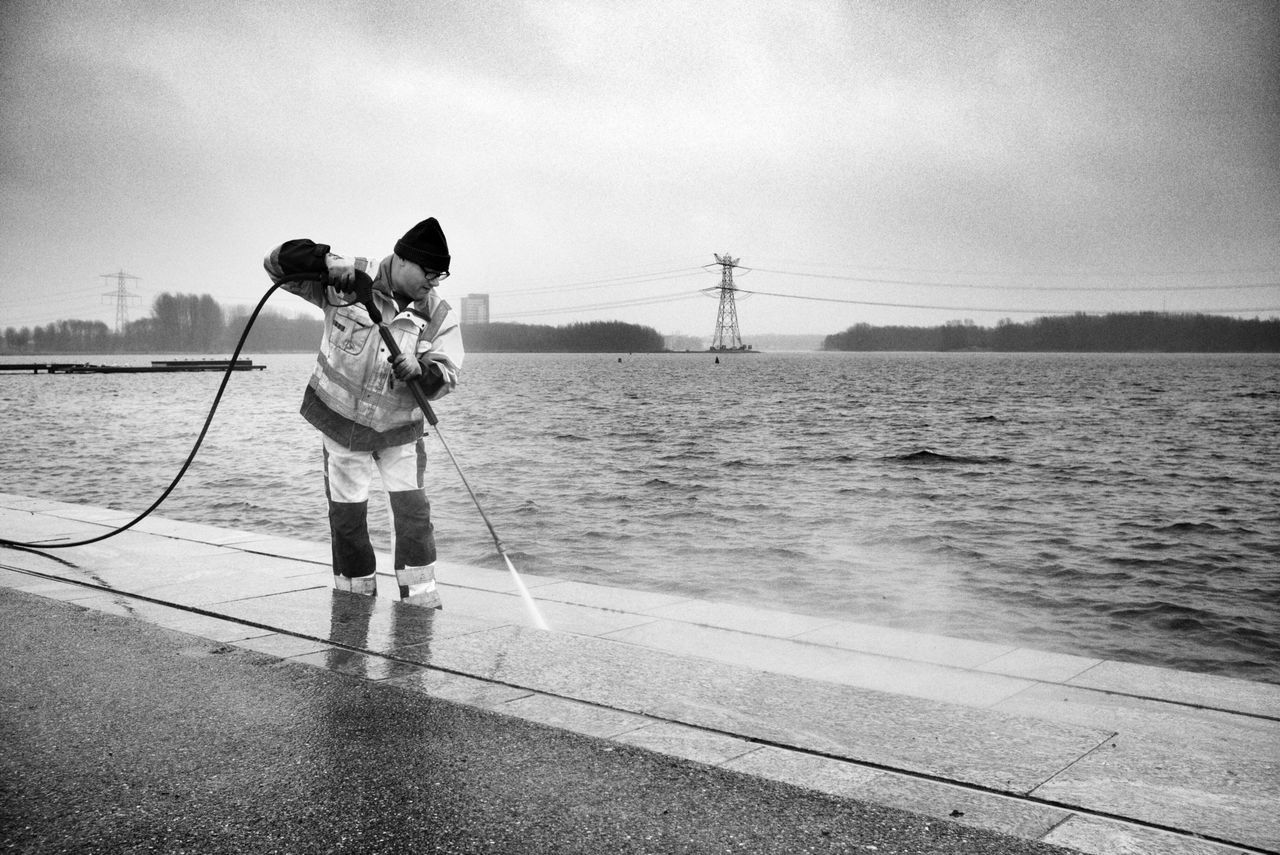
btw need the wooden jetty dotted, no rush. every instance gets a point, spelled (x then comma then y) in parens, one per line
(157, 366)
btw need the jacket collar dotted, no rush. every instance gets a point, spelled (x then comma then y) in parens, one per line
(382, 285)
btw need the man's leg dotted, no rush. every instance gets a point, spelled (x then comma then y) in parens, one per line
(346, 485)
(402, 469)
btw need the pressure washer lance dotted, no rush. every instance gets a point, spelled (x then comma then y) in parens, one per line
(364, 293)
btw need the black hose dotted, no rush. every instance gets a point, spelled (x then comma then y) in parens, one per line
(199, 440)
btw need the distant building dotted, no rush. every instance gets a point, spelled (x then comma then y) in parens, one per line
(475, 309)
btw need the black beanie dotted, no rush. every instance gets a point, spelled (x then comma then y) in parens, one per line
(425, 246)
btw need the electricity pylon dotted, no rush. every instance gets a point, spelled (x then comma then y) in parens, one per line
(726, 337)
(122, 296)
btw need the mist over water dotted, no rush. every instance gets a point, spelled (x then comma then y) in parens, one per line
(1121, 506)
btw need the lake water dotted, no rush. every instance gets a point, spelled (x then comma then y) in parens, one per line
(1122, 506)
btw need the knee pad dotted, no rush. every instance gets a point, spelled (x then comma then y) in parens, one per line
(415, 540)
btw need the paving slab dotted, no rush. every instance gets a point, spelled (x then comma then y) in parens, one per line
(356, 663)
(1039, 665)
(124, 548)
(54, 590)
(1206, 690)
(225, 586)
(1225, 785)
(963, 805)
(197, 532)
(37, 504)
(104, 516)
(145, 563)
(470, 576)
(819, 662)
(905, 644)
(375, 624)
(1103, 836)
(587, 719)
(688, 743)
(1127, 714)
(741, 618)
(825, 774)
(283, 645)
(563, 616)
(459, 688)
(286, 547)
(483, 578)
(169, 617)
(13, 578)
(976, 746)
(38, 528)
(601, 597)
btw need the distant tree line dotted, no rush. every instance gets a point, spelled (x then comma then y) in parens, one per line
(189, 323)
(179, 323)
(1112, 333)
(590, 337)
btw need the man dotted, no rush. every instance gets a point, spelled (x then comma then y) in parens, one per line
(361, 402)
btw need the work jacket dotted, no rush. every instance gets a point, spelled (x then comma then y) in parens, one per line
(353, 396)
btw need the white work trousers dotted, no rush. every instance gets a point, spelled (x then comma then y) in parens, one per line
(349, 473)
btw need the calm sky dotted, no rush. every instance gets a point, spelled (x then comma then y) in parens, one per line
(888, 162)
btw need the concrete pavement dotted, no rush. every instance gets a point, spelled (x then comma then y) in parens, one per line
(1027, 747)
(121, 736)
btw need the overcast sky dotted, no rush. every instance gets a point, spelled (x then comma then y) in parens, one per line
(587, 159)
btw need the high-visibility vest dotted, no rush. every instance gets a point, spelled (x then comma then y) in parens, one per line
(353, 396)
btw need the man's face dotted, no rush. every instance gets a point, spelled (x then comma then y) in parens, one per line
(410, 280)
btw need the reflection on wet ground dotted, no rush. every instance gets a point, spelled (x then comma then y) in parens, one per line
(891, 716)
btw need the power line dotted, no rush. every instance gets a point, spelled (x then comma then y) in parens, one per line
(1031, 274)
(990, 287)
(44, 294)
(644, 301)
(682, 295)
(978, 308)
(48, 297)
(634, 279)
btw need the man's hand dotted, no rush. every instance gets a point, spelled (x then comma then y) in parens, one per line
(405, 367)
(342, 272)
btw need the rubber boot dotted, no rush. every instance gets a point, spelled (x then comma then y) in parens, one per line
(367, 585)
(418, 586)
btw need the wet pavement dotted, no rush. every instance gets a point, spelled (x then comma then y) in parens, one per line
(120, 736)
(180, 686)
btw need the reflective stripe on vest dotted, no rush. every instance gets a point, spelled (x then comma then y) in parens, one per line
(352, 376)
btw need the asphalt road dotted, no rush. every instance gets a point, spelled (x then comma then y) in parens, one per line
(119, 736)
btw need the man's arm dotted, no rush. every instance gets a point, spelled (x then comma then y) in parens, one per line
(306, 256)
(441, 358)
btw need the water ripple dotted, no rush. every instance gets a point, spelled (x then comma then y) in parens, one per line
(1117, 506)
